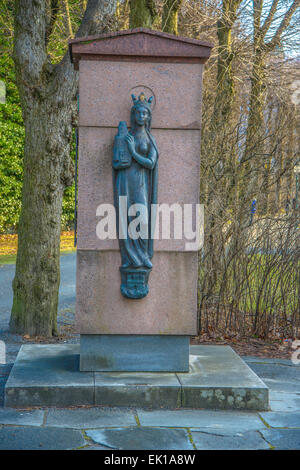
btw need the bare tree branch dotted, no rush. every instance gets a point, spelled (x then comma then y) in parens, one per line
(257, 11)
(265, 27)
(283, 25)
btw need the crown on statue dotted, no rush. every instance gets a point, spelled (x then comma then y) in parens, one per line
(142, 101)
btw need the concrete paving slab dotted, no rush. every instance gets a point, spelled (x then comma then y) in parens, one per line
(153, 390)
(233, 421)
(48, 375)
(284, 401)
(283, 439)
(219, 379)
(37, 438)
(277, 370)
(282, 419)
(21, 417)
(251, 440)
(84, 418)
(282, 386)
(268, 360)
(142, 439)
(278, 377)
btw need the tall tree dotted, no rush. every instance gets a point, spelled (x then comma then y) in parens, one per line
(266, 37)
(225, 92)
(216, 143)
(225, 82)
(48, 98)
(170, 16)
(142, 13)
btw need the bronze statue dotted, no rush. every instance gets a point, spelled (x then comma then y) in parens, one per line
(135, 183)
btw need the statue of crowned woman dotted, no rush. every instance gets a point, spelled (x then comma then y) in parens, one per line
(135, 178)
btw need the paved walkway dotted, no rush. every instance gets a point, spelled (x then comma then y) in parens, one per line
(128, 429)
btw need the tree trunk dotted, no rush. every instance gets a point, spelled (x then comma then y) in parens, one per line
(256, 127)
(279, 173)
(48, 99)
(253, 159)
(225, 83)
(266, 174)
(170, 16)
(142, 13)
(47, 171)
(289, 154)
(225, 94)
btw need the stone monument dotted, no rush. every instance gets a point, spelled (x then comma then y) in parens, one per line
(163, 73)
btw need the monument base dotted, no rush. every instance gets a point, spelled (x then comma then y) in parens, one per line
(134, 353)
(48, 375)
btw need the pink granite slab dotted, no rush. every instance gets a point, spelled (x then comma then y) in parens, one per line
(179, 163)
(140, 44)
(170, 308)
(105, 92)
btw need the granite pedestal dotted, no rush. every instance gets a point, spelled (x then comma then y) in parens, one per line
(48, 375)
(136, 353)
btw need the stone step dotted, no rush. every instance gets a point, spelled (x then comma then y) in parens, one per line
(48, 375)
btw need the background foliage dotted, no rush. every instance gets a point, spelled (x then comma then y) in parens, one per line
(12, 130)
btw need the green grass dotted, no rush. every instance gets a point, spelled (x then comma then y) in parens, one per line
(8, 259)
(259, 283)
(11, 259)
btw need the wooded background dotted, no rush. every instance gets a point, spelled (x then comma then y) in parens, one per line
(249, 276)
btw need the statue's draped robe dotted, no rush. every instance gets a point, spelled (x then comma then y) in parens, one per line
(139, 185)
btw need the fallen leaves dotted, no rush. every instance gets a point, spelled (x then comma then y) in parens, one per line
(249, 346)
(9, 243)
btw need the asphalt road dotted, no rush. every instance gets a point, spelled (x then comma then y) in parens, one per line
(66, 301)
(66, 291)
